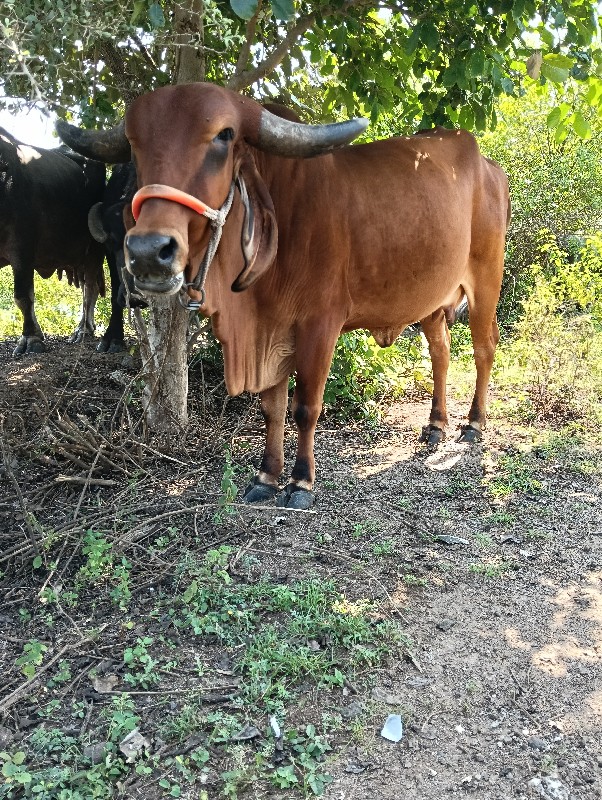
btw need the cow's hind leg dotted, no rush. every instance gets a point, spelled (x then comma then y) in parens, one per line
(32, 338)
(90, 292)
(437, 335)
(485, 336)
(274, 402)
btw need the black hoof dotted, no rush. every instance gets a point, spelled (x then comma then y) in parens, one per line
(294, 497)
(469, 434)
(259, 492)
(432, 435)
(28, 345)
(111, 346)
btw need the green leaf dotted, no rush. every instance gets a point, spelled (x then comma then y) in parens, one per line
(466, 118)
(190, 592)
(480, 120)
(282, 9)
(244, 8)
(558, 60)
(156, 16)
(554, 74)
(429, 34)
(413, 41)
(138, 13)
(477, 63)
(553, 118)
(37, 562)
(582, 126)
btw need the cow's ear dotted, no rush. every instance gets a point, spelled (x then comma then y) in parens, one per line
(259, 236)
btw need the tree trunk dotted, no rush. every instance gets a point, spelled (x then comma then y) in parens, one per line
(190, 41)
(163, 343)
(164, 365)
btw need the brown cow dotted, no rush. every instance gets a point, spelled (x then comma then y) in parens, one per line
(370, 236)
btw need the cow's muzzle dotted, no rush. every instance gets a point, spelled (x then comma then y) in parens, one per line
(150, 259)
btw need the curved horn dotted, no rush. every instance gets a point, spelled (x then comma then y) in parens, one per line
(110, 146)
(95, 225)
(296, 140)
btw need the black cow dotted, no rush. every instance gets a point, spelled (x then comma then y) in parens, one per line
(106, 224)
(45, 196)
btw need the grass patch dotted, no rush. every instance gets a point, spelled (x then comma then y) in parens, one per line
(278, 641)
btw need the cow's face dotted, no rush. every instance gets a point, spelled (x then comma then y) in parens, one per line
(186, 140)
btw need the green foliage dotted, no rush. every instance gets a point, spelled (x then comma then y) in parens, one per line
(228, 487)
(553, 363)
(33, 655)
(515, 474)
(279, 654)
(141, 665)
(58, 306)
(554, 185)
(364, 376)
(425, 64)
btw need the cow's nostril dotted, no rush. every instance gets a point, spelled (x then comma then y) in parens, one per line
(168, 251)
(151, 253)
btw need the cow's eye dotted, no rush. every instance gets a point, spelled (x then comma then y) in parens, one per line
(225, 136)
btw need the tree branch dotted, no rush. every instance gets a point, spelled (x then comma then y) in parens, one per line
(243, 56)
(240, 80)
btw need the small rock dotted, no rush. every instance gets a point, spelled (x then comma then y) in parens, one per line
(537, 743)
(6, 738)
(419, 683)
(383, 696)
(95, 752)
(133, 744)
(445, 624)
(358, 765)
(104, 684)
(352, 711)
(119, 377)
(445, 539)
(549, 787)
(246, 734)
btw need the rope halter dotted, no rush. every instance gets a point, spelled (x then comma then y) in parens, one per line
(217, 219)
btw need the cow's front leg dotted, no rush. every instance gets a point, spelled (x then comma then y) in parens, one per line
(314, 348)
(32, 338)
(113, 339)
(274, 402)
(437, 335)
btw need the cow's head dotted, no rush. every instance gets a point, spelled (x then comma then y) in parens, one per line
(190, 146)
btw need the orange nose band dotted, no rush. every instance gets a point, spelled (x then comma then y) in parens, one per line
(158, 191)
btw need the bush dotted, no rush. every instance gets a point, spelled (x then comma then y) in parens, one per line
(554, 361)
(554, 186)
(363, 376)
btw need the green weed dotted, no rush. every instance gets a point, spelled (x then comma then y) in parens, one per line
(490, 569)
(142, 666)
(514, 475)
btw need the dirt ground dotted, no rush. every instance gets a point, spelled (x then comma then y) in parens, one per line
(490, 555)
